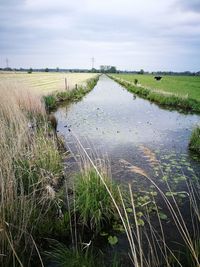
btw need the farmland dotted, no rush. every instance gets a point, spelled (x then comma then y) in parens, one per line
(42, 82)
(183, 86)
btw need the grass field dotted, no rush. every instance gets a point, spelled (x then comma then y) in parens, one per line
(184, 86)
(44, 82)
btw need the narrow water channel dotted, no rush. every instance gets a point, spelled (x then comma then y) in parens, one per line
(131, 131)
(138, 138)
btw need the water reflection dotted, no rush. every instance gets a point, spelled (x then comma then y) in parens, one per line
(118, 123)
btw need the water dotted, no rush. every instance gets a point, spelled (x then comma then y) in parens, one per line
(128, 129)
(137, 136)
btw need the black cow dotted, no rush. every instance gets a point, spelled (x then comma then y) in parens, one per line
(157, 78)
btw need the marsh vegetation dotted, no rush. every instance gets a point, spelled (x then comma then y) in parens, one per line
(137, 206)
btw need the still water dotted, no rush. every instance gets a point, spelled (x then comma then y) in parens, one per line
(130, 131)
(139, 138)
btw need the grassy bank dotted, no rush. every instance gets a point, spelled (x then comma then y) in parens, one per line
(31, 171)
(182, 86)
(174, 92)
(74, 94)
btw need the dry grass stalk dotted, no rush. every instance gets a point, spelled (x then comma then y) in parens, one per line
(149, 155)
(133, 168)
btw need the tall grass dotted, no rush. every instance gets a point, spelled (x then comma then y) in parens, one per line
(29, 162)
(30, 171)
(194, 144)
(93, 203)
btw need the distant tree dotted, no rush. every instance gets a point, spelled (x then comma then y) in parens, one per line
(46, 70)
(30, 71)
(8, 69)
(112, 69)
(108, 69)
(135, 81)
(141, 71)
(103, 68)
(93, 70)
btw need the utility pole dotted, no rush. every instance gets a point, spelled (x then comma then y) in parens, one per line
(93, 60)
(7, 63)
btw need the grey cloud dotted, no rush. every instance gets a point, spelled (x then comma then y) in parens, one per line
(193, 5)
(11, 3)
(62, 32)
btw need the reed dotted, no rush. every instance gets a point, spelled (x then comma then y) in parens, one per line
(29, 164)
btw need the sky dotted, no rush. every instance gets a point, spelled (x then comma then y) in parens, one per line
(129, 34)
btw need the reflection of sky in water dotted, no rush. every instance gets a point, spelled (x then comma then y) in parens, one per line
(109, 116)
(110, 120)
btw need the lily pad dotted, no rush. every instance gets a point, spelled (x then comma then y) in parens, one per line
(112, 240)
(163, 216)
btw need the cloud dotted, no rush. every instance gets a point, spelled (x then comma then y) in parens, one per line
(193, 5)
(128, 33)
(11, 3)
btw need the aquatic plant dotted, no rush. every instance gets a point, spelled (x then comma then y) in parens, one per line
(194, 144)
(139, 226)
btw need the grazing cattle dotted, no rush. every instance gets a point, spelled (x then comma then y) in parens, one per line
(157, 78)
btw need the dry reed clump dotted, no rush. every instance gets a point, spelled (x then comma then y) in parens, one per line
(28, 163)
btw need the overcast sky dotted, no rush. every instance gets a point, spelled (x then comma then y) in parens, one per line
(129, 34)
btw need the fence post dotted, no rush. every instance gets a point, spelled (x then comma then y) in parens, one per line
(65, 83)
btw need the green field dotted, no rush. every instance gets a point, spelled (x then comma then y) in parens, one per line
(184, 86)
